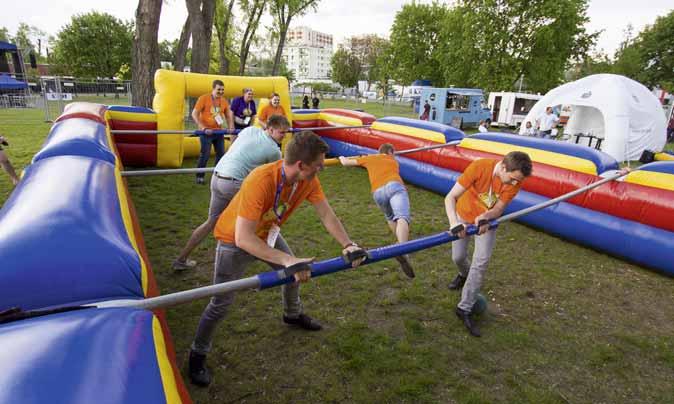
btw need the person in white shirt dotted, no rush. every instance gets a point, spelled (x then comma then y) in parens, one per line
(482, 127)
(529, 129)
(546, 122)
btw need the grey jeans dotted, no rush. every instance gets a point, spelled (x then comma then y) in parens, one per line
(473, 270)
(222, 193)
(230, 264)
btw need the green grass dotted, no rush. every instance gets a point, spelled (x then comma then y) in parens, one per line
(565, 324)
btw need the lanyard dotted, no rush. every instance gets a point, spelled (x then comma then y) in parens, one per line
(277, 198)
(217, 110)
(490, 201)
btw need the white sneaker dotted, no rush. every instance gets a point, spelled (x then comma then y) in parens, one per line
(183, 265)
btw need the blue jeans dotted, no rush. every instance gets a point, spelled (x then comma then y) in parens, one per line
(392, 199)
(218, 141)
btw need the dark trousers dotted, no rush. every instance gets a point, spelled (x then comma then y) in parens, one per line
(218, 141)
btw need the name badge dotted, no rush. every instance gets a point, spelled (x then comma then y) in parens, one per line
(219, 120)
(274, 232)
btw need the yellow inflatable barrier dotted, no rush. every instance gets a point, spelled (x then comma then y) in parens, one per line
(539, 156)
(651, 179)
(664, 157)
(172, 88)
(418, 133)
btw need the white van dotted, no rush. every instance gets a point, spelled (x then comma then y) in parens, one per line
(510, 109)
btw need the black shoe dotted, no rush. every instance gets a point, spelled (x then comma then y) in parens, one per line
(405, 265)
(303, 321)
(200, 180)
(199, 374)
(468, 322)
(457, 283)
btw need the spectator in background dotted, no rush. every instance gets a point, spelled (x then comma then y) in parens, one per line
(546, 122)
(427, 111)
(212, 112)
(482, 127)
(244, 109)
(4, 162)
(274, 108)
(305, 102)
(529, 129)
(315, 101)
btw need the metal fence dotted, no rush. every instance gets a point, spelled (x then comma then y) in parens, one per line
(52, 94)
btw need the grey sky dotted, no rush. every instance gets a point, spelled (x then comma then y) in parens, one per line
(341, 18)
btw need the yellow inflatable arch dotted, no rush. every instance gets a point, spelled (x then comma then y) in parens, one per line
(172, 88)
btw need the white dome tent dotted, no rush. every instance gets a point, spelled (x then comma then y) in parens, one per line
(619, 110)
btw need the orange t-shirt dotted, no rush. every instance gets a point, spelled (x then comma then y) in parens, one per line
(255, 201)
(381, 169)
(270, 110)
(209, 107)
(478, 178)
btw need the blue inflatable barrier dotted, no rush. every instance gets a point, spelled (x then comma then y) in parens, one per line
(63, 240)
(83, 357)
(77, 137)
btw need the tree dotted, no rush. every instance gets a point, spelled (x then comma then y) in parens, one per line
(167, 50)
(4, 34)
(367, 49)
(94, 45)
(145, 59)
(492, 44)
(627, 57)
(346, 68)
(284, 11)
(182, 46)
(223, 28)
(201, 26)
(415, 42)
(656, 51)
(252, 10)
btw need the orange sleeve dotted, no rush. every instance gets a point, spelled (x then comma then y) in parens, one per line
(255, 195)
(199, 106)
(316, 193)
(364, 160)
(470, 175)
(509, 193)
(264, 114)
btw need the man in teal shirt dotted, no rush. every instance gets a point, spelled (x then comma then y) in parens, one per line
(253, 147)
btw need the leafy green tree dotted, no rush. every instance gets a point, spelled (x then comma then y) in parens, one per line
(367, 49)
(224, 32)
(415, 42)
(656, 51)
(627, 57)
(4, 34)
(346, 68)
(491, 44)
(94, 45)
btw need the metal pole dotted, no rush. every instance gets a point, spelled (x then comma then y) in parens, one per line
(318, 128)
(280, 277)
(171, 132)
(146, 173)
(335, 161)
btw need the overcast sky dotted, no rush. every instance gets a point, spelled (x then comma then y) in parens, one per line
(341, 18)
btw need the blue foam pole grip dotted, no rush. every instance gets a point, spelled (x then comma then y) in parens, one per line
(273, 278)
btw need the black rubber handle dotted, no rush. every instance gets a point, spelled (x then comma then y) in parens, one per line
(355, 255)
(457, 229)
(302, 266)
(482, 222)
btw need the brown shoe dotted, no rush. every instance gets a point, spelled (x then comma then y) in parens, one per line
(405, 265)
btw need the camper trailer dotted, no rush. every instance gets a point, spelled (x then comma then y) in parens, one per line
(458, 107)
(509, 109)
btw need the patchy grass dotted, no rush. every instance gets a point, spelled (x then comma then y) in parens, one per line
(565, 324)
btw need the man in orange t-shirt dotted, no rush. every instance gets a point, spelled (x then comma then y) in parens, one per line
(480, 194)
(212, 112)
(250, 229)
(389, 193)
(274, 108)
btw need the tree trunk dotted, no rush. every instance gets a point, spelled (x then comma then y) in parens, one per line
(183, 43)
(201, 24)
(145, 57)
(222, 39)
(249, 34)
(283, 31)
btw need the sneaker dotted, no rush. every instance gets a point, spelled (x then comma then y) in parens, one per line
(198, 372)
(303, 321)
(457, 283)
(183, 265)
(404, 261)
(200, 180)
(468, 321)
